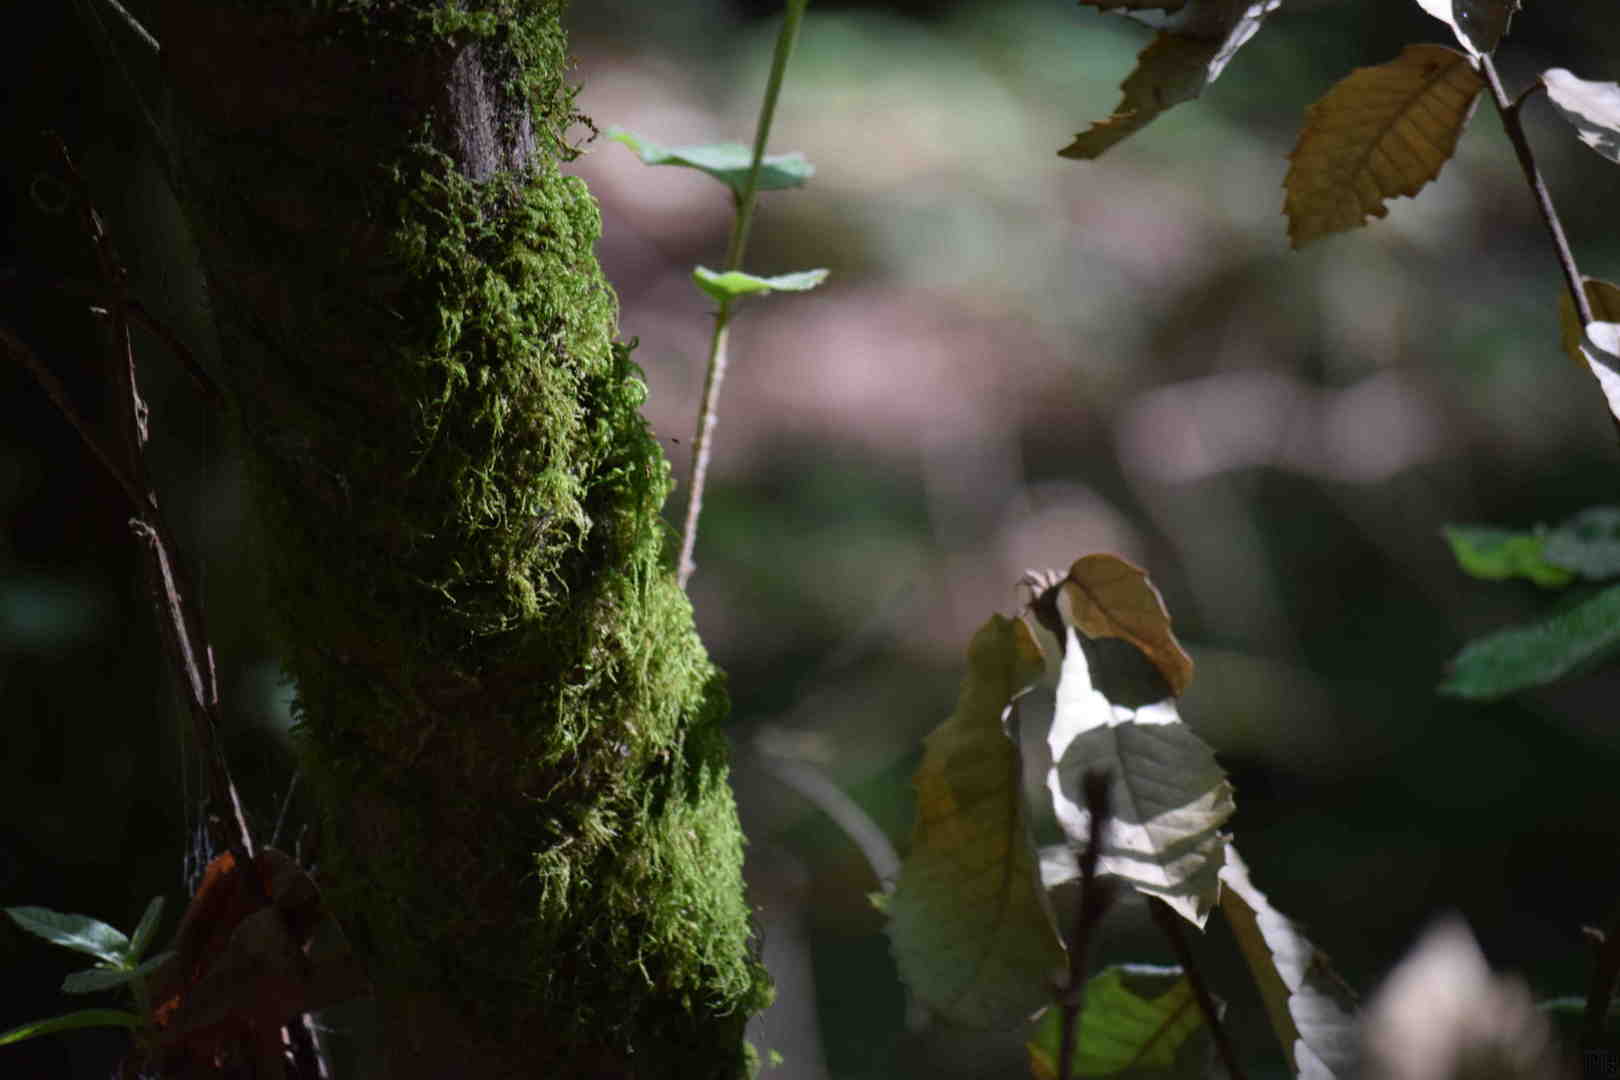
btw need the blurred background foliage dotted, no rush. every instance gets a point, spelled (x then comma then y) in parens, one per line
(1017, 360)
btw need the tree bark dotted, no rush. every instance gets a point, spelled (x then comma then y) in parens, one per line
(514, 731)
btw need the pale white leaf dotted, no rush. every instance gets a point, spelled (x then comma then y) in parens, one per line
(1592, 107)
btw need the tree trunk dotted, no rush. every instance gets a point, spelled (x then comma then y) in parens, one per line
(514, 731)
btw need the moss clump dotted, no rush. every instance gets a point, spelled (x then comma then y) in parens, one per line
(514, 728)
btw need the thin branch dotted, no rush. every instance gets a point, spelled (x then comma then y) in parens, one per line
(1096, 897)
(1508, 110)
(1170, 923)
(180, 621)
(708, 410)
(1599, 993)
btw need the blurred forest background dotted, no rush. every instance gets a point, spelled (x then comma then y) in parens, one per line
(1017, 360)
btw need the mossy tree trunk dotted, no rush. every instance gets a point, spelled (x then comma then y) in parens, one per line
(513, 728)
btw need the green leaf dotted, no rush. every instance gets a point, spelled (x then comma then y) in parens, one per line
(1532, 655)
(1588, 543)
(141, 940)
(80, 933)
(85, 1018)
(105, 978)
(734, 284)
(1312, 1011)
(728, 163)
(1498, 554)
(1139, 1022)
(969, 923)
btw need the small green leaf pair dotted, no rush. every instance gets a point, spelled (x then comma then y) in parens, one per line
(118, 963)
(1584, 631)
(732, 165)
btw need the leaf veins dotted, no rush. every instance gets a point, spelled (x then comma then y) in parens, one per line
(1382, 131)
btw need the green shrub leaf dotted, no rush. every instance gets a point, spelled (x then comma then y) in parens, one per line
(80, 933)
(105, 978)
(734, 284)
(141, 940)
(969, 923)
(728, 163)
(1139, 1022)
(1532, 655)
(1588, 543)
(1498, 554)
(84, 1018)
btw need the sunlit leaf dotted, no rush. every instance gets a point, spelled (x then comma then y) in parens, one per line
(969, 922)
(105, 978)
(1600, 348)
(141, 940)
(84, 1018)
(1588, 543)
(728, 163)
(1479, 25)
(1381, 132)
(734, 284)
(1167, 795)
(1194, 45)
(1312, 1011)
(1604, 299)
(1537, 653)
(80, 933)
(1139, 1022)
(1499, 554)
(1593, 107)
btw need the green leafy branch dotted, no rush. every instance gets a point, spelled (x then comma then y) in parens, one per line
(746, 174)
(118, 963)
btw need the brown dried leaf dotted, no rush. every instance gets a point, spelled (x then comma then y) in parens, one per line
(1108, 597)
(1198, 40)
(1382, 131)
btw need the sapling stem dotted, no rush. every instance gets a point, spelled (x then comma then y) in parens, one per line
(1508, 110)
(1096, 896)
(1170, 923)
(716, 368)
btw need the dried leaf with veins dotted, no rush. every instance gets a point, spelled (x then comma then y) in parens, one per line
(1195, 42)
(1381, 132)
(1107, 597)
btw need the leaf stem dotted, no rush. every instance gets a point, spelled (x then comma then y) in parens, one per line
(1170, 923)
(708, 411)
(1508, 110)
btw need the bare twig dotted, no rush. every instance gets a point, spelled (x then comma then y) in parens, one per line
(1508, 110)
(1170, 923)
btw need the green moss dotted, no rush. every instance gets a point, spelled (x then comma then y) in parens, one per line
(502, 699)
